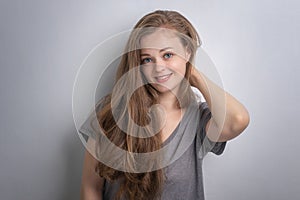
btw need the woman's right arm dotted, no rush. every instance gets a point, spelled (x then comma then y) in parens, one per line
(91, 183)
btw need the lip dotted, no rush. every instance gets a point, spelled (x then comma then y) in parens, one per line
(163, 78)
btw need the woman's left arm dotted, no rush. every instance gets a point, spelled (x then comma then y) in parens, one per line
(229, 116)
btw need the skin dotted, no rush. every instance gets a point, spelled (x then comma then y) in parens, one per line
(91, 183)
(236, 117)
(163, 54)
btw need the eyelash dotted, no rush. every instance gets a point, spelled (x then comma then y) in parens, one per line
(144, 60)
(170, 55)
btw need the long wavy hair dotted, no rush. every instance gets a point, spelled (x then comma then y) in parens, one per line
(147, 185)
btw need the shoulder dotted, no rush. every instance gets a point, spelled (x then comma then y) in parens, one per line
(205, 123)
(90, 126)
(204, 110)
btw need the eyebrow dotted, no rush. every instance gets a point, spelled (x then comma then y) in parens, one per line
(164, 49)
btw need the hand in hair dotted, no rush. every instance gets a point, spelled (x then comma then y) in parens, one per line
(229, 116)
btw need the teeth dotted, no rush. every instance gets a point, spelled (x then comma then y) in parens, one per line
(163, 77)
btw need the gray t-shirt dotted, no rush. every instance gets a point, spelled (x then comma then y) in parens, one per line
(184, 174)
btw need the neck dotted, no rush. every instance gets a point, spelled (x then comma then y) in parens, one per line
(169, 101)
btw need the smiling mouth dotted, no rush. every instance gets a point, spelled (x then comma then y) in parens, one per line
(163, 78)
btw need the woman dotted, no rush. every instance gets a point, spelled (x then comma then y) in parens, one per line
(154, 107)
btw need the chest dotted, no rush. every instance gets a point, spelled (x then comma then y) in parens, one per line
(184, 169)
(171, 122)
(184, 177)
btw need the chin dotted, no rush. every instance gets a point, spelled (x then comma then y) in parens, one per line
(162, 89)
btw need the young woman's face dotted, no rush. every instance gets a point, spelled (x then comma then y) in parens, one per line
(163, 60)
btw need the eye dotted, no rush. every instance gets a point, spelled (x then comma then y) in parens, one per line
(168, 55)
(146, 60)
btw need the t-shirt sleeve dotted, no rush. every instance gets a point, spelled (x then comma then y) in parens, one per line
(90, 127)
(87, 129)
(206, 144)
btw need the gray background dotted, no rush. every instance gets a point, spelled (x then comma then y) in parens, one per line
(254, 44)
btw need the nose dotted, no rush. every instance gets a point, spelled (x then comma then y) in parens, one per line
(159, 65)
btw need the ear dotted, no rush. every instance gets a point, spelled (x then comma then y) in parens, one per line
(187, 54)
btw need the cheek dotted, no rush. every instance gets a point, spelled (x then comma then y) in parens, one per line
(146, 72)
(180, 67)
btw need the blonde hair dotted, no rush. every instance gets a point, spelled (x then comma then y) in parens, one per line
(146, 185)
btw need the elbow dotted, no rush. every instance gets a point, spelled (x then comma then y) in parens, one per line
(236, 126)
(240, 123)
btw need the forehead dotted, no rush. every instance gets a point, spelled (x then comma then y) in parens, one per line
(160, 39)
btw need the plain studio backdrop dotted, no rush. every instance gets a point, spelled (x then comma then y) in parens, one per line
(253, 43)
